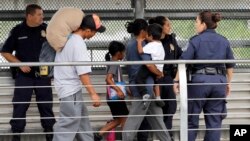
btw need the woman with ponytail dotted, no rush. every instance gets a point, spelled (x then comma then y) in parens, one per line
(118, 109)
(209, 81)
(138, 28)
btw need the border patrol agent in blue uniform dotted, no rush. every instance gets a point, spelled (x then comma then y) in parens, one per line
(26, 40)
(208, 45)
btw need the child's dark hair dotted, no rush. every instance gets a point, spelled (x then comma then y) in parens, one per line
(136, 26)
(114, 47)
(155, 30)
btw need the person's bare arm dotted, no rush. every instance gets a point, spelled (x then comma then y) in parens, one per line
(85, 79)
(109, 80)
(139, 46)
(229, 78)
(11, 58)
(152, 68)
(176, 83)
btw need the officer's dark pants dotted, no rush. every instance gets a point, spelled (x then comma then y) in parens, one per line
(170, 102)
(24, 95)
(203, 90)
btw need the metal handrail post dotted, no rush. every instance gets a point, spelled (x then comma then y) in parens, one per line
(183, 102)
(139, 8)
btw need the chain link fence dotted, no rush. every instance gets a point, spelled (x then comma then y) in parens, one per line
(115, 13)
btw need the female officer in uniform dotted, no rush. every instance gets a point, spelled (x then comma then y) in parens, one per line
(172, 52)
(207, 45)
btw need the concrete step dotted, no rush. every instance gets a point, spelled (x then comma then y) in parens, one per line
(238, 107)
(241, 77)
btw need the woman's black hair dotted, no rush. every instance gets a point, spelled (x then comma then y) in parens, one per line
(210, 19)
(136, 26)
(158, 20)
(114, 47)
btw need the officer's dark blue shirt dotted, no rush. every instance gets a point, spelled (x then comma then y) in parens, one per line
(208, 45)
(172, 50)
(25, 41)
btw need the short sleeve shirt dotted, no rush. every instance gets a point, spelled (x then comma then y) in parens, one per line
(208, 45)
(25, 41)
(156, 50)
(116, 71)
(67, 81)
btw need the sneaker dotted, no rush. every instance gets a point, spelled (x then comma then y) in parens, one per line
(97, 137)
(16, 138)
(145, 99)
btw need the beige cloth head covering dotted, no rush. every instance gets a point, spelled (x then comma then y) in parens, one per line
(62, 24)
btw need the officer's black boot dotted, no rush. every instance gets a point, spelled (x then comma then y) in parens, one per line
(16, 138)
(49, 136)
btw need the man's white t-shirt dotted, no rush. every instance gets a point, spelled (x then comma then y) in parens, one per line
(156, 50)
(66, 78)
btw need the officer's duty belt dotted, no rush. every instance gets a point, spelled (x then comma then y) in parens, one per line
(210, 71)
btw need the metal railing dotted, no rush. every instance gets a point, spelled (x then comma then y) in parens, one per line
(182, 75)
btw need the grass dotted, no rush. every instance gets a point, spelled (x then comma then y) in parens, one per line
(242, 52)
(231, 29)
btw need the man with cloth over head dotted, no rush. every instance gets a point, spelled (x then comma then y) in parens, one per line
(69, 81)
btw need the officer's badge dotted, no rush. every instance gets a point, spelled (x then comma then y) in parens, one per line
(171, 47)
(43, 33)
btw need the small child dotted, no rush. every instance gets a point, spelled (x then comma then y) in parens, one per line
(118, 108)
(156, 50)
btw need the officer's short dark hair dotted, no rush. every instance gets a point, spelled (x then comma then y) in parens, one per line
(155, 30)
(31, 9)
